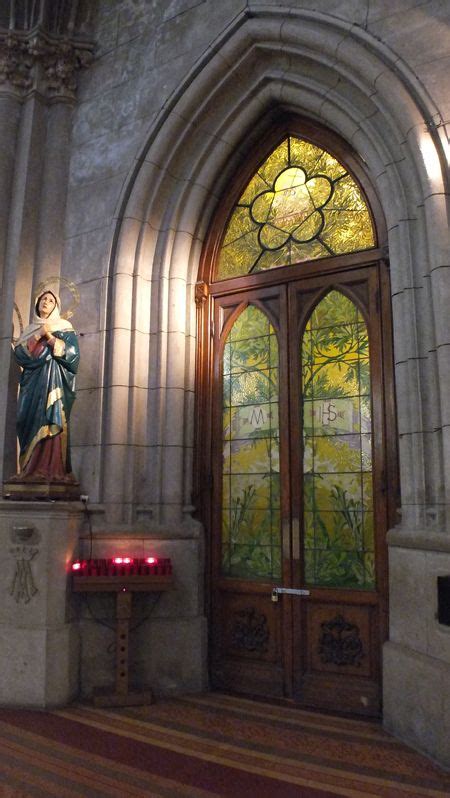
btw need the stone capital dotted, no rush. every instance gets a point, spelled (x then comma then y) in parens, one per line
(201, 293)
(15, 63)
(34, 61)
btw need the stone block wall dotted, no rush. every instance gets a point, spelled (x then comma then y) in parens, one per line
(177, 94)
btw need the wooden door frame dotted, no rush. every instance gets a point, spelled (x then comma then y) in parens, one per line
(207, 289)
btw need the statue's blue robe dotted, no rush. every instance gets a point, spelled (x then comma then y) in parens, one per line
(47, 393)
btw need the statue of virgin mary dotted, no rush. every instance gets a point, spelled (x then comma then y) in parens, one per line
(48, 354)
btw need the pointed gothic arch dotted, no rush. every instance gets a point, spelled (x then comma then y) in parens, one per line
(171, 195)
(276, 512)
(338, 74)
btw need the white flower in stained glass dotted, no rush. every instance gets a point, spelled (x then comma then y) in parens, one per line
(291, 209)
(302, 204)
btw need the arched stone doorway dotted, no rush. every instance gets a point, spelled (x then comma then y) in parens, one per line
(339, 75)
(296, 473)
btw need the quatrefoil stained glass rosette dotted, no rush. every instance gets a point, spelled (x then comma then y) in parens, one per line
(292, 210)
(301, 204)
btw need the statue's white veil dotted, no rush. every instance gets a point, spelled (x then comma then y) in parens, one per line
(54, 321)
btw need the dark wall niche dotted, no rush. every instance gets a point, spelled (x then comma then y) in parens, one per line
(443, 585)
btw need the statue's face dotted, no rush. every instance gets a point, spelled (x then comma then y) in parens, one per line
(46, 304)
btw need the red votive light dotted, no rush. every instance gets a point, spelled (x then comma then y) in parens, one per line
(122, 566)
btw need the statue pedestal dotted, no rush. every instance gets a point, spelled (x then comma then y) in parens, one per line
(14, 490)
(39, 641)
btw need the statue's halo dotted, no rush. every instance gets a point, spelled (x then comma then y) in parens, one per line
(49, 281)
(20, 321)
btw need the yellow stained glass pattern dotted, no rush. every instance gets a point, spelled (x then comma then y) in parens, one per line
(251, 537)
(337, 447)
(302, 204)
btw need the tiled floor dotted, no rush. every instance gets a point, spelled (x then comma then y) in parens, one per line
(206, 745)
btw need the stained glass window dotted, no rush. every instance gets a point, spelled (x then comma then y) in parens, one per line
(338, 505)
(302, 204)
(251, 536)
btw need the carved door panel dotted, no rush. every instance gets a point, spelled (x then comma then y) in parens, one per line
(298, 487)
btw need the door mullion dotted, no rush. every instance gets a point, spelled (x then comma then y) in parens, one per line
(285, 459)
(285, 605)
(294, 436)
(297, 605)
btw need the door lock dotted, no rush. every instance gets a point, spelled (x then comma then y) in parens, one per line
(293, 591)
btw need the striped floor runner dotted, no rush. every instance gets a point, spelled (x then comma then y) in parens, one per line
(204, 746)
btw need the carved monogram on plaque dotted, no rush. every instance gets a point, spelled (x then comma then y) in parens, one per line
(24, 550)
(22, 586)
(250, 631)
(340, 643)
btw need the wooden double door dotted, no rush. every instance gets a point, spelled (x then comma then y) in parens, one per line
(302, 484)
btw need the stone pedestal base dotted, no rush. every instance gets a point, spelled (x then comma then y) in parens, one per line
(32, 491)
(39, 648)
(39, 666)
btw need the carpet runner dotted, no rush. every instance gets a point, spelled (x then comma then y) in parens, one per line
(203, 746)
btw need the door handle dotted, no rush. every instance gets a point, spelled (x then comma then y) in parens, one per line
(293, 591)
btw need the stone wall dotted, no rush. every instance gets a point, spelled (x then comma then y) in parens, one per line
(177, 94)
(146, 58)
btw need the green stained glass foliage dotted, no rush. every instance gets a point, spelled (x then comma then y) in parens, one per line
(251, 537)
(302, 204)
(337, 454)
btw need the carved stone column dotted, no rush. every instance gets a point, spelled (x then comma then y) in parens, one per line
(40, 60)
(10, 111)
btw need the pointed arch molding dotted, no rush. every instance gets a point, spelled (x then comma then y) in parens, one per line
(267, 61)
